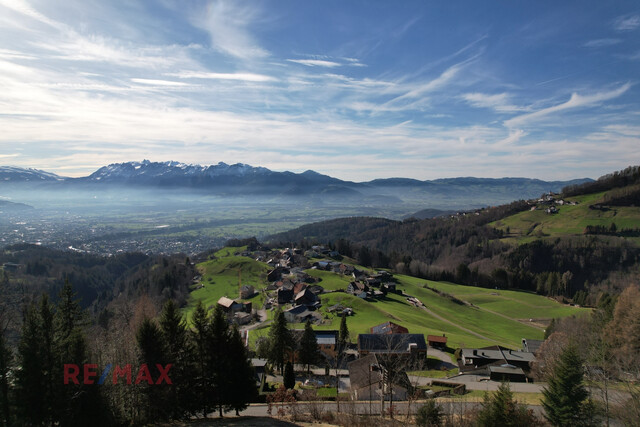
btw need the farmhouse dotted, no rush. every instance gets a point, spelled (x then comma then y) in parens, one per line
(229, 305)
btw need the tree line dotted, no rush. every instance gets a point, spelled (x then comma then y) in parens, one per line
(206, 365)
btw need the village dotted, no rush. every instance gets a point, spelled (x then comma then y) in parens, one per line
(387, 364)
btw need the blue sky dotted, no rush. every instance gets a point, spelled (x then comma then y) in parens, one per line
(354, 89)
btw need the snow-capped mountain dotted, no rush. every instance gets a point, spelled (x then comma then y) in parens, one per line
(17, 174)
(147, 170)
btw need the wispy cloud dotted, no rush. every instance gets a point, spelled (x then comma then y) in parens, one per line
(155, 82)
(498, 102)
(602, 43)
(228, 24)
(576, 101)
(315, 63)
(420, 90)
(249, 77)
(627, 23)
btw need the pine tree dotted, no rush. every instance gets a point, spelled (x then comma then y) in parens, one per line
(280, 340)
(200, 336)
(219, 341)
(179, 354)
(501, 410)
(309, 352)
(242, 389)
(343, 335)
(289, 378)
(566, 400)
(5, 364)
(32, 378)
(152, 352)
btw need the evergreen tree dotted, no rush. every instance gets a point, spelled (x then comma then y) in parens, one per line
(33, 391)
(501, 410)
(309, 352)
(179, 354)
(289, 378)
(566, 400)
(343, 335)
(280, 340)
(5, 364)
(242, 389)
(220, 373)
(203, 381)
(152, 352)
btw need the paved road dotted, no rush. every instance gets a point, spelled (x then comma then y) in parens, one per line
(369, 408)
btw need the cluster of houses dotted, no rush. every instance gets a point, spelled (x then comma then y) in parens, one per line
(386, 346)
(549, 202)
(298, 293)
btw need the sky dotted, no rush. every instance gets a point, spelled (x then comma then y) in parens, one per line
(353, 89)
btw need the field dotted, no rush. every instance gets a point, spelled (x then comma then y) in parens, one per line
(489, 316)
(526, 226)
(220, 278)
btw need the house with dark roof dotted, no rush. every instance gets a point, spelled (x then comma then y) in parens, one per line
(473, 359)
(531, 346)
(356, 288)
(247, 291)
(306, 297)
(229, 305)
(389, 328)
(367, 377)
(299, 314)
(285, 295)
(409, 346)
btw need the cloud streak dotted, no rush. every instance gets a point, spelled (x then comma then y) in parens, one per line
(576, 101)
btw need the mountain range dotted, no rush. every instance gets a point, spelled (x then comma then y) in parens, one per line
(245, 180)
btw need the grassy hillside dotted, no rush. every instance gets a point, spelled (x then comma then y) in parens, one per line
(526, 226)
(220, 278)
(490, 317)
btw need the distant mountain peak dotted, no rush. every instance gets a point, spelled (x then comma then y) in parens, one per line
(15, 173)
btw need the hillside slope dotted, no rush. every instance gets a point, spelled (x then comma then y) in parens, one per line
(485, 317)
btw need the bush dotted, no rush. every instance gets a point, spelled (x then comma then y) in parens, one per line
(429, 414)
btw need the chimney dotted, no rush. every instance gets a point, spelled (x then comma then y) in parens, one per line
(475, 352)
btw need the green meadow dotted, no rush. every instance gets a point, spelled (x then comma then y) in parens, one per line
(491, 317)
(525, 226)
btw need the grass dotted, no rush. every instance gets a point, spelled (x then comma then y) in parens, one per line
(495, 319)
(570, 220)
(220, 278)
